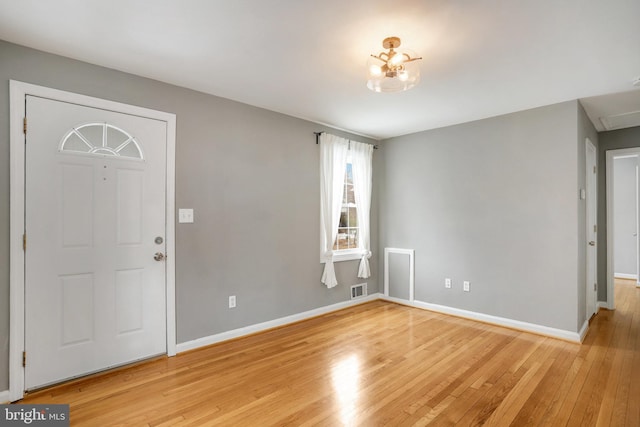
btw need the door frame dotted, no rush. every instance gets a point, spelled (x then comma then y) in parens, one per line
(17, 93)
(611, 156)
(592, 295)
(637, 188)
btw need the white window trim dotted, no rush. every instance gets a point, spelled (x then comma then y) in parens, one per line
(345, 254)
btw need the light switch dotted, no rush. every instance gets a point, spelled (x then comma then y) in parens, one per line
(185, 216)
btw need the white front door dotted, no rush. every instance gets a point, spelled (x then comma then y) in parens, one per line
(591, 219)
(94, 219)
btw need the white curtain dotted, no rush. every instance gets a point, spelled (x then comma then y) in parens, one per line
(333, 163)
(361, 158)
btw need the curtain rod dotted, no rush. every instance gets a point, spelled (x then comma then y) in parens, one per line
(317, 134)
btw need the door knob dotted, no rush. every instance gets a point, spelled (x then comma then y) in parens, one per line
(159, 256)
(592, 243)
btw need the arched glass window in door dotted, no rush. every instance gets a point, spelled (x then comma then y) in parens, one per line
(101, 139)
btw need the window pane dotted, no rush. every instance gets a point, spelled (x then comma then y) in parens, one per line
(93, 133)
(353, 217)
(349, 177)
(344, 196)
(74, 143)
(130, 150)
(115, 137)
(344, 218)
(349, 194)
(353, 238)
(342, 242)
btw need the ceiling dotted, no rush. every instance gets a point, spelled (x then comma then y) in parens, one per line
(307, 58)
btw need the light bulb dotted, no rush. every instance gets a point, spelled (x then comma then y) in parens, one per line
(397, 59)
(375, 70)
(403, 76)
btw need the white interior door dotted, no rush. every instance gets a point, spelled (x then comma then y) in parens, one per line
(94, 219)
(591, 219)
(637, 218)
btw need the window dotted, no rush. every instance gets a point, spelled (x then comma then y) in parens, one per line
(345, 204)
(348, 226)
(101, 139)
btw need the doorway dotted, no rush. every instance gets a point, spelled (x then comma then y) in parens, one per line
(92, 199)
(623, 255)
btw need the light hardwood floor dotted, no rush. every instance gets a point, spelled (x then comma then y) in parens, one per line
(380, 364)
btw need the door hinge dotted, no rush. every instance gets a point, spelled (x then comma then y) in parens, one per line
(24, 242)
(24, 125)
(595, 287)
(594, 168)
(595, 228)
(24, 359)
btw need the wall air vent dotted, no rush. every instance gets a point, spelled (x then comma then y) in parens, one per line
(621, 121)
(359, 291)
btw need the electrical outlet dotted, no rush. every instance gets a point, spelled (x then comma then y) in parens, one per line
(447, 283)
(185, 216)
(466, 286)
(232, 301)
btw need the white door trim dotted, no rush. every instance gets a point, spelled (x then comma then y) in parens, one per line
(637, 278)
(18, 92)
(611, 155)
(591, 219)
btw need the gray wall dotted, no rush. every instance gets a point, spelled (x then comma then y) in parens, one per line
(494, 202)
(252, 177)
(624, 212)
(612, 140)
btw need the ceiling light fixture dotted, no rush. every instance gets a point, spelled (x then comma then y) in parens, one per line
(394, 70)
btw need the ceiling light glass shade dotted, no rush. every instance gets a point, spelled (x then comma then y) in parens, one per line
(394, 70)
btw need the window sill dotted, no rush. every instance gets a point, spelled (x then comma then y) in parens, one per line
(347, 255)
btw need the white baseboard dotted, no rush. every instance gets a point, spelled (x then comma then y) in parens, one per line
(397, 300)
(583, 331)
(252, 329)
(4, 396)
(603, 304)
(625, 276)
(494, 320)
(486, 318)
